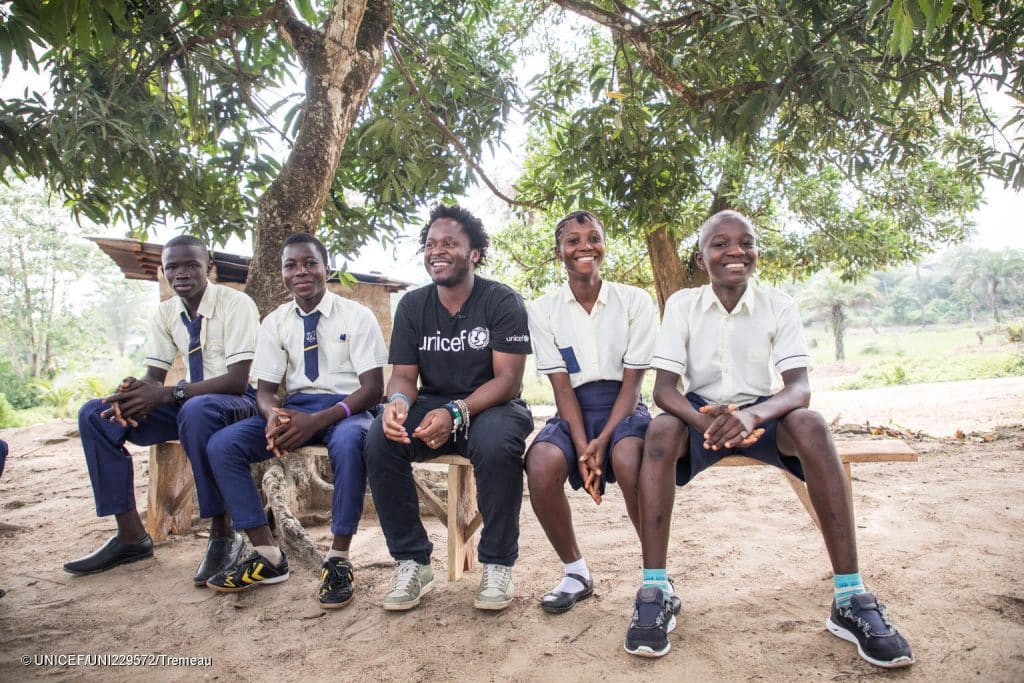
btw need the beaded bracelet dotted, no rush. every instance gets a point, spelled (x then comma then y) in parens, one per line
(463, 410)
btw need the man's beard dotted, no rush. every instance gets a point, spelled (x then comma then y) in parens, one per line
(455, 278)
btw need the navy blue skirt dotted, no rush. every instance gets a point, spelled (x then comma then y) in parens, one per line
(596, 400)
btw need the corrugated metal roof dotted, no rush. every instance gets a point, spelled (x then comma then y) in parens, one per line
(141, 261)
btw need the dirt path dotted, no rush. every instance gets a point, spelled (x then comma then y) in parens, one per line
(941, 541)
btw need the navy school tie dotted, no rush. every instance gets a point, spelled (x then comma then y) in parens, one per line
(195, 349)
(311, 356)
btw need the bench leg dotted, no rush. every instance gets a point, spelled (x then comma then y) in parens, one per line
(800, 489)
(171, 492)
(463, 520)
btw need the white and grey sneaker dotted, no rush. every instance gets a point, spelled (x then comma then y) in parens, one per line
(496, 588)
(411, 582)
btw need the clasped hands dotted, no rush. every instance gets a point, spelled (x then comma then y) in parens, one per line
(288, 429)
(729, 427)
(591, 466)
(133, 401)
(434, 429)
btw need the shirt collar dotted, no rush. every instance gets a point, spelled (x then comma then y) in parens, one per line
(206, 306)
(709, 300)
(568, 297)
(325, 306)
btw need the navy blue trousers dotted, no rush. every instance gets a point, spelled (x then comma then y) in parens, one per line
(234, 448)
(110, 467)
(497, 438)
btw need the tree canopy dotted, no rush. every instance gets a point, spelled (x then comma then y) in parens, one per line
(853, 133)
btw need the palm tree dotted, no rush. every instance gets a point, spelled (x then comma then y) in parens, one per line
(989, 271)
(826, 293)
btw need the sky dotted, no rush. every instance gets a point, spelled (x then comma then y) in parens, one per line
(999, 222)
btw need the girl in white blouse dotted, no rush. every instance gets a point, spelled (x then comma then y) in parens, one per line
(594, 340)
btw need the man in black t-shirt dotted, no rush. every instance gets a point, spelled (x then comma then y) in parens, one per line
(465, 339)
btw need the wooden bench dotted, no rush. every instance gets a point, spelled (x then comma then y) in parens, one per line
(458, 513)
(171, 502)
(850, 451)
(171, 492)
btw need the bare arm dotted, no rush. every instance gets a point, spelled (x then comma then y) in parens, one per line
(138, 397)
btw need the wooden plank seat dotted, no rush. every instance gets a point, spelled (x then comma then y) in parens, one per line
(171, 501)
(171, 492)
(850, 451)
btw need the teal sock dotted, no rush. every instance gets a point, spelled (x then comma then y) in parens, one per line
(846, 586)
(659, 578)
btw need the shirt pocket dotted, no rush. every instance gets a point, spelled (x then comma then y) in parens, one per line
(213, 346)
(336, 353)
(758, 370)
(569, 356)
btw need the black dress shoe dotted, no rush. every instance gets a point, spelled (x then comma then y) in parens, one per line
(111, 554)
(221, 555)
(557, 602)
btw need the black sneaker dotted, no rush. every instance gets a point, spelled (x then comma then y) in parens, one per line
(865, 623)
(335, 583)
(254, 570)
(652, 622)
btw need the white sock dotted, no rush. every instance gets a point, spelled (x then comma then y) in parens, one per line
(271, 552)
(571, 585)
(336, 553)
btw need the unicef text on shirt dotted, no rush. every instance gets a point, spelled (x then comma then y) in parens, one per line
(477, 339)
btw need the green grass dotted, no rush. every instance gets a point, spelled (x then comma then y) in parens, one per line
(893, 356)
(914, 356)
(37, 415)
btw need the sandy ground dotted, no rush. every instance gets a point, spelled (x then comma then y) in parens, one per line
(941, 541)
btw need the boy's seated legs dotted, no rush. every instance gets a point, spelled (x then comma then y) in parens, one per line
(199, 418)
(235, 448)
(856, 615)
(654, 615)
(345, 448)
(231, 451)
(113, 482)
(111, 473)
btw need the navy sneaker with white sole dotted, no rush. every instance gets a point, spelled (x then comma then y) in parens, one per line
(652, 621)
(865, 623)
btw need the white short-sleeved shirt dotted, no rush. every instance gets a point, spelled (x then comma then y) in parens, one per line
(617, 334)
(227, 335)
(349, 343)
(728, 357)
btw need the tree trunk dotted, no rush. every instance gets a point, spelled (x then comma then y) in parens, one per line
(838, 317)
(340, 64)
(993, 298)
(670, 273)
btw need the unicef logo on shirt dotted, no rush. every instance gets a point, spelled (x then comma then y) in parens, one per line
(479, 338)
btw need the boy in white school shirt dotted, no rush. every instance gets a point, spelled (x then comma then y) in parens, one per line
(330, 353)
(717, 352)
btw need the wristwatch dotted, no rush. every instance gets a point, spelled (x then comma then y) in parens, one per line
(179, 394)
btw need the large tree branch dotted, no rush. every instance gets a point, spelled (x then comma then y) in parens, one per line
(446, 132)
(639, 37)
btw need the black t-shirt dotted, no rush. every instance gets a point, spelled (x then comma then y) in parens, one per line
(453, 353)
